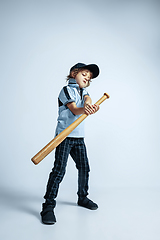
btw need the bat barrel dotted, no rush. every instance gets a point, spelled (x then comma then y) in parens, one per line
(57, 140)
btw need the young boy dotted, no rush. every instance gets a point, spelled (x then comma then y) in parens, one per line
(73, 101)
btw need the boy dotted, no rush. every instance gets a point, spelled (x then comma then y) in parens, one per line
(73, 101)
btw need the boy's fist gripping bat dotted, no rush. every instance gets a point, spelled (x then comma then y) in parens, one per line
(60, 137)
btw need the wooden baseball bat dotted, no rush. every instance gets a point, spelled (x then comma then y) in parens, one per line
(60, 137)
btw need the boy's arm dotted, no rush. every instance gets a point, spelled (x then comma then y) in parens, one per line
(74, 109)
(87, 109)
(87, 99)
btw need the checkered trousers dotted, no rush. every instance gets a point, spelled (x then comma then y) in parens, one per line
(77, 149)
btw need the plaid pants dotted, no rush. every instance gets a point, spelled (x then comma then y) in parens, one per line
(77, 149)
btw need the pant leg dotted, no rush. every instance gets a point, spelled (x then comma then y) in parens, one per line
(58, 172)
(79, 155)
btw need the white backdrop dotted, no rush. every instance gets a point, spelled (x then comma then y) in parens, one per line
(40, 41)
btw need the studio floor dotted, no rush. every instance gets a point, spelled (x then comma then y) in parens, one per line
(124, 214)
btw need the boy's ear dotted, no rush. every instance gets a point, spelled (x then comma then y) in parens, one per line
(73, 74)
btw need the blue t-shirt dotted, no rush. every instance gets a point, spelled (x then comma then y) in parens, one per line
(70, 93)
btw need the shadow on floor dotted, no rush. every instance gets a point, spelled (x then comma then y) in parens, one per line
(67, 203)
(12, 199)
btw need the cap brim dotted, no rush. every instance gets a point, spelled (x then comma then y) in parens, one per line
(93, 68)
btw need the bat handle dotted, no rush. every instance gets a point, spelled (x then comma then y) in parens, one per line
(103, 98)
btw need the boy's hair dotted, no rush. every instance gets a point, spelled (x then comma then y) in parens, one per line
(74, 72)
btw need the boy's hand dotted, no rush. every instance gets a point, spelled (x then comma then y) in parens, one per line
(96, 107)
(90, 109)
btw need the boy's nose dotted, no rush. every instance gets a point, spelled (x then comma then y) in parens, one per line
(87, 78)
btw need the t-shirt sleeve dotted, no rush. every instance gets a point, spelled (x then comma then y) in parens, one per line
(66, 95)
(85, 92)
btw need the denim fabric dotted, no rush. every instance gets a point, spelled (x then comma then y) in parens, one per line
(77, 149)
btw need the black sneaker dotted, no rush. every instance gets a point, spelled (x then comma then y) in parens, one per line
(48, 216)
(87, 203)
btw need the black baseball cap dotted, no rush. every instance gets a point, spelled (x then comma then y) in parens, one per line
(93, 68)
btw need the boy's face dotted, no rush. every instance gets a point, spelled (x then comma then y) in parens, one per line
(83, 78)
